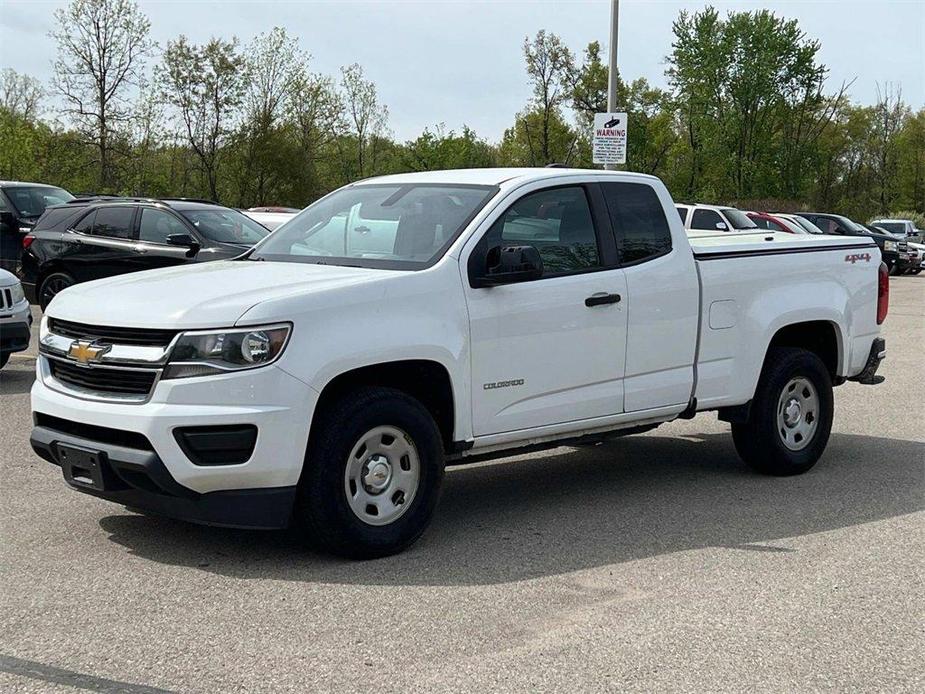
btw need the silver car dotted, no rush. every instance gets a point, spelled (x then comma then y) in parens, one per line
(15, 317)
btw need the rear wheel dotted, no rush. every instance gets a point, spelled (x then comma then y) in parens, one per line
(791, 414)
(372, 474)
(52, 286)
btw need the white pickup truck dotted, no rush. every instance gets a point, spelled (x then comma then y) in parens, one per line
(408, 322)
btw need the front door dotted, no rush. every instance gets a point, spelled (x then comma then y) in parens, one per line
(153, 251)
(552, 349)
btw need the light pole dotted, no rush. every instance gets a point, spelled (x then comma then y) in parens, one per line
(612, 64)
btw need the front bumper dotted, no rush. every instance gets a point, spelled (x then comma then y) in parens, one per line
(277, 404)
(137, 478)
(15, 328)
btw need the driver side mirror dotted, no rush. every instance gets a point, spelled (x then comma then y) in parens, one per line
(722, 226)
(510, 264)
(184, 240)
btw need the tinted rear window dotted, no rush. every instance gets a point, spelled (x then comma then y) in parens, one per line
(114, 222)
(638, 219)
(57, 218)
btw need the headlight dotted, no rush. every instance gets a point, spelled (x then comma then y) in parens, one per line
(18, 294)
(203, 353)
(889, 245)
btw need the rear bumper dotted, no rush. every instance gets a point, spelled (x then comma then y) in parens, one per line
(876, 355)
(137, 478)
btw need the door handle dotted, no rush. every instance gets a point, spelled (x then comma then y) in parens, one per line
(140, 249)
(601, 298)
(362, 229)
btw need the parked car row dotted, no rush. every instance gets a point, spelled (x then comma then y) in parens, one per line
(87, 239)
(892, 236)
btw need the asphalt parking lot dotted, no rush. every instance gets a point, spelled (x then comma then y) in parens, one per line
(656, 562)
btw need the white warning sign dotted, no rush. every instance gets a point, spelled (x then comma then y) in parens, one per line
(609, 142)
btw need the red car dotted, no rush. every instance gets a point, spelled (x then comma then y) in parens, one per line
(767, 221)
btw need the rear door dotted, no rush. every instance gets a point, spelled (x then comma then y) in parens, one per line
(550, 350)
(662, 298)
(104, 245)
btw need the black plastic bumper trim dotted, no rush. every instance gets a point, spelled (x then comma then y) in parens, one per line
(139, 479)
(868, 376)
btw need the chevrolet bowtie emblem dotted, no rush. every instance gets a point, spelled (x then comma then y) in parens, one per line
(83, 351)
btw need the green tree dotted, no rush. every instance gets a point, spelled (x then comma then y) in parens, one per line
(102, 47)
(205, 86)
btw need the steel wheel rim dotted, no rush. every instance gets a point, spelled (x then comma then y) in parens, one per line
(798, 413)
(382, 475)
(53, 287)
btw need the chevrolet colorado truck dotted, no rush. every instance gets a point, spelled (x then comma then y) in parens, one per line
(327, 376)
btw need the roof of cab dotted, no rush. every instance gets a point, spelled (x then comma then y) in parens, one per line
(494, 177)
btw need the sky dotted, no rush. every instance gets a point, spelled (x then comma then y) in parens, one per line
(462, 62)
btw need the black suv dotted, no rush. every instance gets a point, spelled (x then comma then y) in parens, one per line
(90, 239)
(891, 247)
(21, 204)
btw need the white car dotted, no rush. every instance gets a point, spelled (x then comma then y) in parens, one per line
(15, 317)
(271, 218)
(700, 218)
(327, 376)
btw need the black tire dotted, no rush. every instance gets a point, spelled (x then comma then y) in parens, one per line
(51, 285)
(322, 509)
(4, 358)
(916, 271)
(759, 441)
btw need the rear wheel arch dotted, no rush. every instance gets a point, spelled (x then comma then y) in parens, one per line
(821, 337)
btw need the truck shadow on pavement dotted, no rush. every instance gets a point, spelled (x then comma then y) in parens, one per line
(634, 498)
(17, 377)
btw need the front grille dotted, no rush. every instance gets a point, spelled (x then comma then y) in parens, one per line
(103, 379)
(145, 337)
(6, 299)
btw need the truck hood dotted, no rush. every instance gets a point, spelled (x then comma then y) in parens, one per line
(207, 295)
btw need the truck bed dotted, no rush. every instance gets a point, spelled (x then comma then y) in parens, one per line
(754, 283)
(722, 244)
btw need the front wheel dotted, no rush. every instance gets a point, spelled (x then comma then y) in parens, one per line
(791, 414)
(372, 474)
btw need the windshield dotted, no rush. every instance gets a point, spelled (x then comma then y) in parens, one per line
(378, 225)
(739, 219)
(892, 227)
(226, 226)
(31, 201)
(805, 223)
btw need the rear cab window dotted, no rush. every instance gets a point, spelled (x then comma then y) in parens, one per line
(638, 220)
